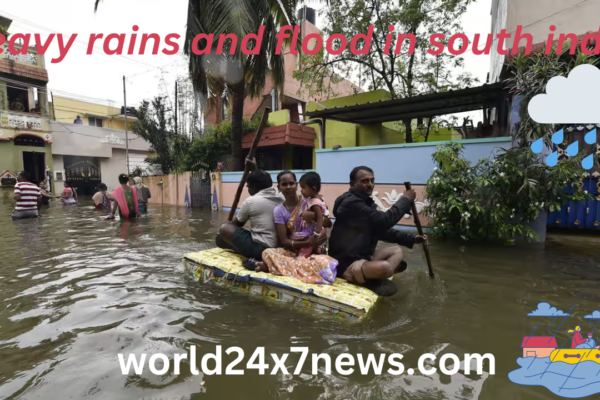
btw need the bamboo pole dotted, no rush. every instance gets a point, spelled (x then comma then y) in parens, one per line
(251, 154)
(420, 230)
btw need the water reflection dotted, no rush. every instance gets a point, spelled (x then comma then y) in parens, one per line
(77, 290)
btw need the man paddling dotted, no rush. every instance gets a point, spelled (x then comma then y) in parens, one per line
(359, 226)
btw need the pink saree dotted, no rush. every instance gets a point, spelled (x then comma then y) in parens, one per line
(119, 196)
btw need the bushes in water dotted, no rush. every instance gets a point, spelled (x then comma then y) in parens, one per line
(497, 198)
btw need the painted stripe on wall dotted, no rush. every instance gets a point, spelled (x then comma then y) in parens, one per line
(395, 163)
(228, 177)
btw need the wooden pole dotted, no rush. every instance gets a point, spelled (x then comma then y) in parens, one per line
(251, 154)
(420, 230)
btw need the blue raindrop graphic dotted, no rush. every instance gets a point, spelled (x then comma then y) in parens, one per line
(587, 162)
(558, 137)
(590, 137)
(552, 159)
(537, 146)
(573, 149)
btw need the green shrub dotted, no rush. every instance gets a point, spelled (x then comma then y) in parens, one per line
(497, 199)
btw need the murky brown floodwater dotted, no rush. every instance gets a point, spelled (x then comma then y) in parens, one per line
(75, 290)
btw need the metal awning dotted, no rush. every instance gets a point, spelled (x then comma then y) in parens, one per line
(424, 106)
(97, 115)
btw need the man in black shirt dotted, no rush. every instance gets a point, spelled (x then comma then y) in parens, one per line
(357, 229)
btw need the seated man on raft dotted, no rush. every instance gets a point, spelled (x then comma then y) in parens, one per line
(357, 229)
(258, 209)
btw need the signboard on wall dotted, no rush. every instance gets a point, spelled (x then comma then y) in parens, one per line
(29, 58)
(21, 121)
(8, 178)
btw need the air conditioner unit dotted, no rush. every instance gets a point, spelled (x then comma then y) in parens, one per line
(59, 176)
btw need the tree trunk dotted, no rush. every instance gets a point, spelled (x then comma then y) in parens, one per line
(408, 126)
(428, 128)
(237, 115)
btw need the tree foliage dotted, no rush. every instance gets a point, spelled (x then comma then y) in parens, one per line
(214, 146)
(529, 76)
(403, 74)
(4, 32)
(498, 198)
(238, 74)
(155, 125)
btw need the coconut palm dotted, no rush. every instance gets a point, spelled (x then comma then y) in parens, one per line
(238, 74)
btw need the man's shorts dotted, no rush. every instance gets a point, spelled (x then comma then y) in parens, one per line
(143, 207)
(24, 214)
(242, 243)
(354, 273)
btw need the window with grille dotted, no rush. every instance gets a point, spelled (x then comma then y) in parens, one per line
(95, 122)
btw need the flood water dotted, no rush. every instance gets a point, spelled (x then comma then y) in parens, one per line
(76, 290)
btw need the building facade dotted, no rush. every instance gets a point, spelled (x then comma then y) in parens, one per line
(293, 98)
(536, 17)
(85, 156)
(89, 143)
(106, 115)
(25, 136)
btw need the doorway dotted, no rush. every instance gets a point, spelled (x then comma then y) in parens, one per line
(35, 164)
(82, 173)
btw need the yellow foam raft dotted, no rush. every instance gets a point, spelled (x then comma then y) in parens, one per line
(575, 356)
(225, 267)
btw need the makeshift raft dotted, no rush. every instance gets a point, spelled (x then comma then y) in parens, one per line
(342, 300)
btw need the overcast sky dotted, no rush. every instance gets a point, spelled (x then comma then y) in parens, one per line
(100, 76)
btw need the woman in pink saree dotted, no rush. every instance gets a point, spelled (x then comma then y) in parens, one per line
(317, 268)
(126, 198)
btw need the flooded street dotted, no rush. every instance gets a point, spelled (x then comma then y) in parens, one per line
(76, 290)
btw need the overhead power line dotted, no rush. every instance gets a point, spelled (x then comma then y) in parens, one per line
(78, 41)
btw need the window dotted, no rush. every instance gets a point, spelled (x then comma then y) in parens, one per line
(18, 98)
(95, 122)
(29, 140)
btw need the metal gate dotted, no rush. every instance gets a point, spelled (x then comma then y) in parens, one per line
(580, 214)
(200, 189)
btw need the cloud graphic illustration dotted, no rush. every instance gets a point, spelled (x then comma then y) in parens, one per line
(546, 310)
(571, 100)
(594, 315)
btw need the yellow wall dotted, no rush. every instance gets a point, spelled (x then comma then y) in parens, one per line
(354, 135)
(280, 117)
(66, 111)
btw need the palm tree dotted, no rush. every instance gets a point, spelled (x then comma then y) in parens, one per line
(245, 74)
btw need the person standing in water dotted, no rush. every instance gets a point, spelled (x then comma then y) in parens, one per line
(27, 196)
(69, 194)
(127, 200)
(46, 195)
(143, 193)
(102, 198)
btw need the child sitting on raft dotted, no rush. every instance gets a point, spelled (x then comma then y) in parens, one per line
(310, 186)
(299, 259)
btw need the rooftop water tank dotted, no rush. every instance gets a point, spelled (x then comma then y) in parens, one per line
(310, 14)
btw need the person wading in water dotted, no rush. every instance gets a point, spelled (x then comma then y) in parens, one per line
(126, 198)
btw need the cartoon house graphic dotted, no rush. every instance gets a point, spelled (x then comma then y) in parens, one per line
(538, 346)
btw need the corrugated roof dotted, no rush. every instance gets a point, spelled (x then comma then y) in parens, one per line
(428, 105)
